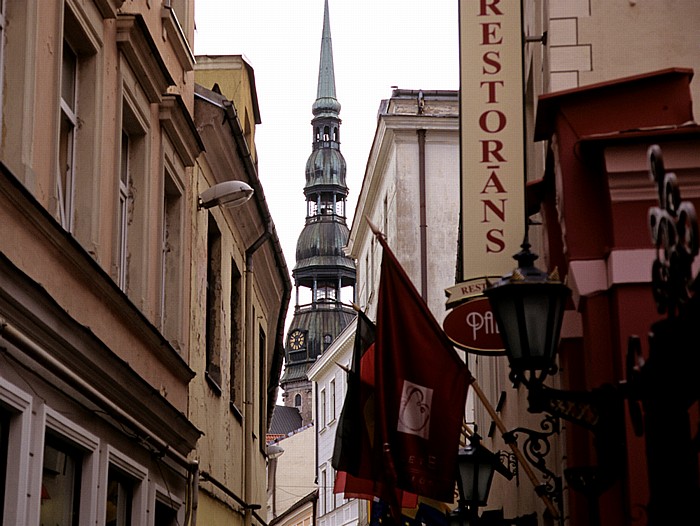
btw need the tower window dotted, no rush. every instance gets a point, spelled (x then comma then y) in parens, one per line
(327, 133)
(297, 400)
(336, 135)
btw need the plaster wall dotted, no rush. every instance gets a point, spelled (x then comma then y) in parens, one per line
(597, 40)
(296, 471)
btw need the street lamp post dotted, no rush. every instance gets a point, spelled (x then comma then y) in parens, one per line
(528, 306)
(475, 468)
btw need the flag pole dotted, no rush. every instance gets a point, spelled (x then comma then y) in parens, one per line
(514, 446)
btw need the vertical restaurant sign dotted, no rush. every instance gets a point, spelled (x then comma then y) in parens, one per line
(492, 135)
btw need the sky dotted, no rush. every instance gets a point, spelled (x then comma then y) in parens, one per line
(377, 44)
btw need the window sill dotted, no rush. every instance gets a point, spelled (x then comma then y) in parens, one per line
(236, 412)
(213, 384)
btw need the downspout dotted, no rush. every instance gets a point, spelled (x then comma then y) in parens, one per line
(423, 234)
(250, 355)
(16, 337)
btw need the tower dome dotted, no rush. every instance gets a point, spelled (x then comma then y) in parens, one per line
(325, 168)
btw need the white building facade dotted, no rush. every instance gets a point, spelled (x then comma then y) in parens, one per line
(408, 192)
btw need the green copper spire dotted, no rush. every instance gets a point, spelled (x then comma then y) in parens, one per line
(325, 94)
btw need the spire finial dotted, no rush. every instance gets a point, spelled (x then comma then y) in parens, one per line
(325, 94)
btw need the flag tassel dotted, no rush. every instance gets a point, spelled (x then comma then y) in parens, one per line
(514, 446)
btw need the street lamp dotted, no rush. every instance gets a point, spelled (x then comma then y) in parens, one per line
(475, 466)
(528, 305)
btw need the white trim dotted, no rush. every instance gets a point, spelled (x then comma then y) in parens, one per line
(83, 439)
(139, 474)
(18, 451)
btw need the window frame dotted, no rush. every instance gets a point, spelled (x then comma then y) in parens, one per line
(172, 266)
(66, 176)
(235, 333)
(213, 303)
(82, 440)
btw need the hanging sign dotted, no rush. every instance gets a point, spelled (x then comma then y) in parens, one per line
(492, 134)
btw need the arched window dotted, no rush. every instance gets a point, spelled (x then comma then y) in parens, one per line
(297, 400)
(336, 135)
(327, 133)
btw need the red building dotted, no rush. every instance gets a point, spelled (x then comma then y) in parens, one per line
(595, 199)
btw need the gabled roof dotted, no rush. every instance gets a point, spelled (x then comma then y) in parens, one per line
(285, 420)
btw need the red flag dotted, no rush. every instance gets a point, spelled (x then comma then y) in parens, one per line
(353, 452)
(357, 488)
(421, 388)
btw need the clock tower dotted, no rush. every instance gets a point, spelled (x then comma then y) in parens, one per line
(324, 277)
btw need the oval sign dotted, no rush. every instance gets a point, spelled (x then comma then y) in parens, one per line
(472, 327)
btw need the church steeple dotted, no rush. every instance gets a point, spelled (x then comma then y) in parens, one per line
(324, 277)
(325, 94)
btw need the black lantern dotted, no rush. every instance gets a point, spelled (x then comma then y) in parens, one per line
(528, 305)
(476, 466)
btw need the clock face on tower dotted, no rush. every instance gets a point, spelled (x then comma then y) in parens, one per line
(296, 340)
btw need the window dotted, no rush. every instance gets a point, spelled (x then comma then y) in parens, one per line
(297, 400)
(171, 259)
(65, 180)
(213, 312)
(132, 207)
(165, 515)
(322, 408)
(235, 331)
(119, 499)
(332, 400)
(79, 137)
(123, 211)
(262, 386)
(60, 483)
(322, 493)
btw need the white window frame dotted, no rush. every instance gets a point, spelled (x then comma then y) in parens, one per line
(19, 403)
(323, 503)
(79, 437)
(332, 400)
(161, 494)
(323, 409)
(69, 114)
(123, 210)
(133, 470)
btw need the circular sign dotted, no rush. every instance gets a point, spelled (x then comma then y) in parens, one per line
(472, 327)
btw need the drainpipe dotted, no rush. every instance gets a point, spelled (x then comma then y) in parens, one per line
(250, 356)
(423, 216)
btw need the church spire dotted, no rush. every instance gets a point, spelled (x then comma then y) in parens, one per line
(324, 276)
(325, 94)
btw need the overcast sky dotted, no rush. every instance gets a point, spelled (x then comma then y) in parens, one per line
(377, 44)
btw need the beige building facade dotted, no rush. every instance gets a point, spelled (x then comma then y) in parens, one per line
(244, 289)
(141, 330)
